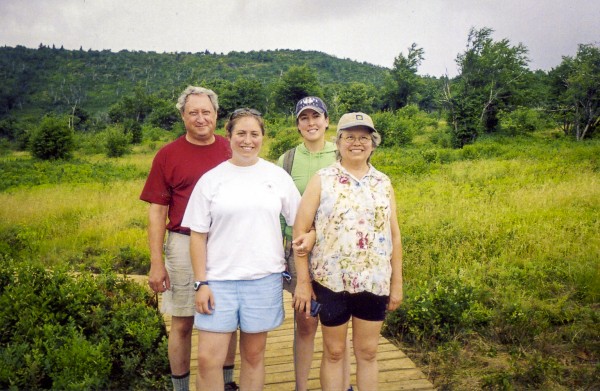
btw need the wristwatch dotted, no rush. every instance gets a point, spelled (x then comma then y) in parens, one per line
(198, 284)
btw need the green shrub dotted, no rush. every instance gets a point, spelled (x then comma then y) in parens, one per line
(117, 141)
(398, 128)
(285, 139)
(434, 312)
(90, 143)
(133, 129)
(60, 331)
(441, 137)
(52, 139)
(430, 155)
(131, 260)
(153, 133)
(521, 120)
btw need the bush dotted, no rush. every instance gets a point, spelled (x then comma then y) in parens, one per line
(153, 134)
(58, 331)
(117, 142)
(90, 142)
(285, 139)
(521, 120)
(134, 130)
(436, 312)
(52, 139)
(398, 128)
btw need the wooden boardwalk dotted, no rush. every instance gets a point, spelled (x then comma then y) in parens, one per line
(396, 371)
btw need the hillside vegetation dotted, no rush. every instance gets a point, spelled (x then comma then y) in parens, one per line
(55, 79)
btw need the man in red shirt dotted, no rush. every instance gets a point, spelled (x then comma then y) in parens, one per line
(175, 170)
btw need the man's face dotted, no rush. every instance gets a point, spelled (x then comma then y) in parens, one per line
(200, 119)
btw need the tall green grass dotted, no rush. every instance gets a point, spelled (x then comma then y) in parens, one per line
(501, 242)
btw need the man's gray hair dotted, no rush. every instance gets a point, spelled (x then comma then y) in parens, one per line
(193, 90)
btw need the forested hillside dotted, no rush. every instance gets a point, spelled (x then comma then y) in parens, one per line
(495, 91)
(52, 78)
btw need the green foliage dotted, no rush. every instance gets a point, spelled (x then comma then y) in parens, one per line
(492, 76)
(52, 139)
(521, 120)
(131, 260)
(53, 79)
(295, 84)
(163, 115)
(27, 172)
(398, 128)
(575, 85)
(406, 81)
(134, 131)
(284, 140)
(437, 311)
(117, 142)
(59, 331)
(90, 143)
(357, 97)
(241, 93)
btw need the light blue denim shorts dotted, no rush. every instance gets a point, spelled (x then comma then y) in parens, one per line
(255, 306)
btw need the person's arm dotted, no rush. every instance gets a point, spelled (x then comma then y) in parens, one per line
(396, 290)
(205, 301)
(303, 224)
(158, 278)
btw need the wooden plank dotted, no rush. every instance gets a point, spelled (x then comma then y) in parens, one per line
(396, 371)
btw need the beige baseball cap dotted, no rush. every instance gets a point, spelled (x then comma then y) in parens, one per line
(352, 120)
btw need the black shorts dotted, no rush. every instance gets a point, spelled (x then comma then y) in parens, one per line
(338, 307)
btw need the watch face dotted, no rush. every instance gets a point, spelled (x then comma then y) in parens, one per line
(196, 285)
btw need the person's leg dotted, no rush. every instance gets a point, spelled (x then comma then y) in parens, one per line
(346, 360)
(365, 339)
(260, 310)
(304, 346)
(212, 350)
(229, 366)
(178, 302)
(252, 354)
(180, 345)
(332, 362)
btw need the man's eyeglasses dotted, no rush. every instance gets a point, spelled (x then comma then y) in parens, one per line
(244, 111)
(364, 140)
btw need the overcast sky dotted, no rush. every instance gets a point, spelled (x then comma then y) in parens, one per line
(374, 31)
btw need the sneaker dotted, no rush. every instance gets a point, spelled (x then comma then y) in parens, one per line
(231, 386)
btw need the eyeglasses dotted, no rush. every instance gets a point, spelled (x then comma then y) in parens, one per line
(364, 140)
(244, 111)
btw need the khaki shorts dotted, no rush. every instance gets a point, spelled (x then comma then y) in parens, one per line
(180, 299)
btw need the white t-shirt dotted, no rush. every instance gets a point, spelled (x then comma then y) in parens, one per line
(239, 207)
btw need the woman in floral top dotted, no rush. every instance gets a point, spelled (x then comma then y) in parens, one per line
(355, 269)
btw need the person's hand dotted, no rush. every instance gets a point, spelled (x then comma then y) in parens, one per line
(304, 243)
(158, 278)
(205, 301)
(395, 296)
(302, 296)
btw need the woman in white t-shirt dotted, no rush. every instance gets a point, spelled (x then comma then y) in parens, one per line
(237, 253)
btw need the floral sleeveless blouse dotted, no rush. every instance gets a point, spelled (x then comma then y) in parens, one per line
(353, 250)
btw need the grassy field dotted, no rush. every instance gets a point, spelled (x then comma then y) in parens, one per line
(501, 248)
